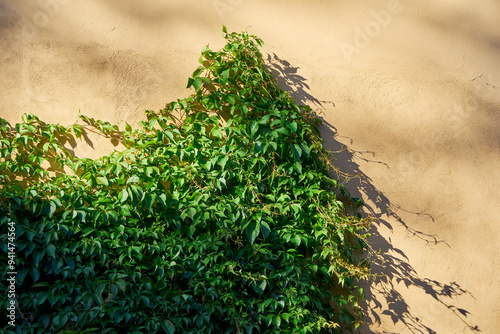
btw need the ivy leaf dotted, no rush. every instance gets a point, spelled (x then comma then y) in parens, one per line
(231, 99)
(283, 131)
(167, 326)
(133, 179)
(51, 251)
(190, 212)
(225, 74)
(197, 72)
(275, 122)
(88, 231)
(264, 226)
(205, 49)
(296, 240)
(293, 126)
(254, 127)
(259, 286)
(121, 284)
(216, 132)
(35, 274)
(253, 230)
(265, 119)
(276, 320)
(257, 147)
(298, 167)
(197, 83)
(41, 285)
(150, 200)
(78, 130)
(121, 229)
(52, 208)
(297, 151)
(162, 198)
(222, 181)
(102, 180)
(118, 316)
(223, 161)
(138, 192)
(123, 196)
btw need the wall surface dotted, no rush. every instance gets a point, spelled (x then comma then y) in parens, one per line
(409, 92)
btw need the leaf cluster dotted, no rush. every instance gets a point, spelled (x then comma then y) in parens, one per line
(219, 216)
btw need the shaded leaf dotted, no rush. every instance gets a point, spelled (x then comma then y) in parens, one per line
(297, 152)
(253, 230)
(265, 229)
(167, 326)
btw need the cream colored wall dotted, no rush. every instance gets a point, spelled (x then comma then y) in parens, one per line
(411, 87)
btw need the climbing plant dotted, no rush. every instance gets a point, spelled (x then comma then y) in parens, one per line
(220, 215)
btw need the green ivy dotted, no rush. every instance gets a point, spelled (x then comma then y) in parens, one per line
(219, 216)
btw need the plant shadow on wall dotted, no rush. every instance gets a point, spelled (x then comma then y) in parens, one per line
(391, 267)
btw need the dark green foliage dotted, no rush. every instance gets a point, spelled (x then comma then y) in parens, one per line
(220, 216)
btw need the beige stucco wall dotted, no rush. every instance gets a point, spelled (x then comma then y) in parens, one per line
(411, 87)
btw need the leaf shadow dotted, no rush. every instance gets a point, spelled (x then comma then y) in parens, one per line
(392, 267)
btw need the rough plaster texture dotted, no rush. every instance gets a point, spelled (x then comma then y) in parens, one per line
(409, 92)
